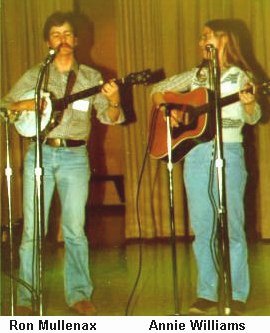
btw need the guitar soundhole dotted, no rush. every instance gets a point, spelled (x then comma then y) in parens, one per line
(177, 131)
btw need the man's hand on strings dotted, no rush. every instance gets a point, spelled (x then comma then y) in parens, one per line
(111, 91)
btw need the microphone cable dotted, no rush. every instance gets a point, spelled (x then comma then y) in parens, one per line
(156, 110)
(213, 248)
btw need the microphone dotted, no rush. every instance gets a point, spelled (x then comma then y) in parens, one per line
(3, 112)
(212, 50)
(213, 53)
(209, 47)
(171, 106)
(50, 56)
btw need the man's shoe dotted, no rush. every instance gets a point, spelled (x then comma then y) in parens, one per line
(22, 310)
(238, 308)
(203, 307)
(84, 308)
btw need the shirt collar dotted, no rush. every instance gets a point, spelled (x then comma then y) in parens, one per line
(74, 67)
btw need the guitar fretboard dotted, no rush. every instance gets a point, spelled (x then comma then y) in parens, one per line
(62, 103)
(142, 77)
(223, 101)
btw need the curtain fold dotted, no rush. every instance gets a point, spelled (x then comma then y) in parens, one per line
(140, 38)
(163, 34)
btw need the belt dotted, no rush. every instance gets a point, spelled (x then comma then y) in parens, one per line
(57, 142)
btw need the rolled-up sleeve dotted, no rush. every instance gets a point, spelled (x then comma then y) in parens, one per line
(24, 84)
(251, 119)
(101, 105)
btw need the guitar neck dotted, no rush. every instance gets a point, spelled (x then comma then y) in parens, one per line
(61, 103)
(229, 99)
(234, 97)
(224, 101)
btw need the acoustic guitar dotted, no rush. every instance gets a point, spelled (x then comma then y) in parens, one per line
(200, 127)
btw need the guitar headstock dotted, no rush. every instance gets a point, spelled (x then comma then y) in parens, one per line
(265, 88)
(142, 77)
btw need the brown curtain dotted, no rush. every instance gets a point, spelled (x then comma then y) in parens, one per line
(163, 34)
(22, 46)
(155, 34)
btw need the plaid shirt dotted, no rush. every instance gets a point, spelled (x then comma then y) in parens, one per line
(76, 121)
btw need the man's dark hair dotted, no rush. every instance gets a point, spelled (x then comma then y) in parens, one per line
(57, 19)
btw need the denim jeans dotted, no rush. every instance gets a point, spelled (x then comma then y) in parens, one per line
(68, 170)
(201, 213)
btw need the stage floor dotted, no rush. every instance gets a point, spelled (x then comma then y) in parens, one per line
(114, 270)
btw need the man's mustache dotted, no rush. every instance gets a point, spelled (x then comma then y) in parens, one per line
(65, 45)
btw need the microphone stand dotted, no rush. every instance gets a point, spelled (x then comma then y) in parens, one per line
(38, 194)
(225, 293)
(8, 173)
(171, 207)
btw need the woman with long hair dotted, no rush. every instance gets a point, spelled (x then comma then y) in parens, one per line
(199, 165)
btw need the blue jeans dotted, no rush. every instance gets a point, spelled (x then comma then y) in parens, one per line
(201, 213)
(67, 169)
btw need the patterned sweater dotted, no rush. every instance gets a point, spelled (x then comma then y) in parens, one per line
(232, 81)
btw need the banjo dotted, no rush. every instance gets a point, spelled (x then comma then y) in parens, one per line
(53, 111)
(26, 122)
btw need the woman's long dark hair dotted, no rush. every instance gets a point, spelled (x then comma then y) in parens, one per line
(239, 49)
(234, 53)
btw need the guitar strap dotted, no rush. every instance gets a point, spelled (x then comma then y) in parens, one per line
(70, 82)
(58, 114)
(46, 79)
